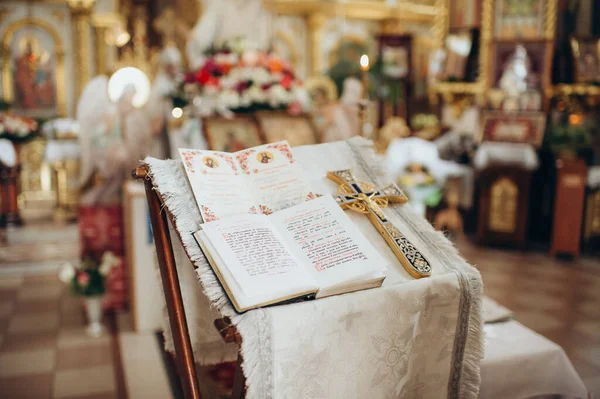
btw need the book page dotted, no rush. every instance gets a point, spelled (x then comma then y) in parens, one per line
(276, 180)
(256, 255)
(217, 183)
(323, 236)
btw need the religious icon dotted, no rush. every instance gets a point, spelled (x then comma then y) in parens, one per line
(265, 157)
(210, 162)
(279, 126)
(518, 67)
(587, 60)
(458, 47)
(519, 19)
(395, 61)
(31, 79)
(503, 206)
(231, 135)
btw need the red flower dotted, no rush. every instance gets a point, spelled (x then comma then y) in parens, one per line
(212, 81)
(189, 77)
(286, 82)
(210, 65)
(203, 76)
(83, 279)
(242, 86)
(224, 68)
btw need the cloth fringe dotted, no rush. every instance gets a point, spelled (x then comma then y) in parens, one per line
(254, 326)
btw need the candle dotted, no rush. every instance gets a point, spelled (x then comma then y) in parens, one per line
(364, 62)
(364, 66)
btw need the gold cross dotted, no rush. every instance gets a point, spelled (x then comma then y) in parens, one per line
(368, 199)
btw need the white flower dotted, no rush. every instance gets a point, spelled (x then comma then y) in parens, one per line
(275, 77)
(221, 58)
(245, 100)
(66, 273)
(232, 58)
(259, 76)
(256, 94)
(109, 260)
(229, 99)
(210, 90)
(22, 130)
(278, 95)
(228, 82)
(301, 95)
(250, 57)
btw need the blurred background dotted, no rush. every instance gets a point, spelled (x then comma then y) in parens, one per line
(484, 111)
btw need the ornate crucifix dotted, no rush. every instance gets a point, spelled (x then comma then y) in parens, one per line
(366, 198)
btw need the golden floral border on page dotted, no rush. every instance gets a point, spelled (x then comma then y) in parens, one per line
(188, 156)
(242, 159)
(284, 148)
(229, 159)
(208, 214)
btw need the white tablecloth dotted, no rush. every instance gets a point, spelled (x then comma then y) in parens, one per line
(519, 363)
(410, 338)
(506, 153)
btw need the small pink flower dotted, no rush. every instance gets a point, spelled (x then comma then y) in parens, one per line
(295, 108)
(83, 279)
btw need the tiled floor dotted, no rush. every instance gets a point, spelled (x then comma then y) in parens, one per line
(45, 353)
(556, 298)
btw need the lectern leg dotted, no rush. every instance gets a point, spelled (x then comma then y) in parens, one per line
(239, 381)
(184, 355)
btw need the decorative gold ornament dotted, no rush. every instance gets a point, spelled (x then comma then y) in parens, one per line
(82, 40)
(368, 199)
(504, 195)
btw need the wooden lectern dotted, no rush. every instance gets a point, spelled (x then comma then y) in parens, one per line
(184, 356)
(568, 207)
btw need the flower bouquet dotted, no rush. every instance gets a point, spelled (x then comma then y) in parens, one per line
(17, 128)
(237, 77)
(88, 280)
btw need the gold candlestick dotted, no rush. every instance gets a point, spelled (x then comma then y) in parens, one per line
(362, 105)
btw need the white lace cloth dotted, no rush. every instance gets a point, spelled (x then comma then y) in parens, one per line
(409, 338)
(516, 154)
(8, 155)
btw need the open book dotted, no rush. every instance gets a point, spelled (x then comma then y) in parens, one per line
(266, 235)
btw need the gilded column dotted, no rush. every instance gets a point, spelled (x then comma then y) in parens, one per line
(82, 40)
(100, 32)
(315, 22)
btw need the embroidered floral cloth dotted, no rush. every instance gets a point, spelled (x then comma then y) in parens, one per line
(409, 338)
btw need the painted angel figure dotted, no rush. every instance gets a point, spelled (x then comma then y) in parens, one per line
(224, 20)
(114, 137)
